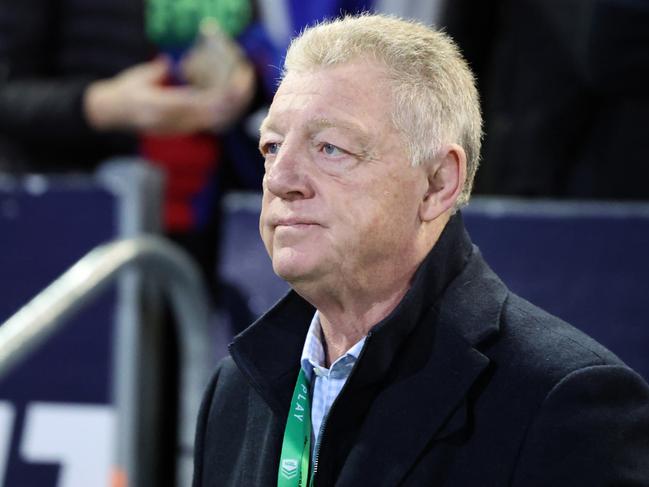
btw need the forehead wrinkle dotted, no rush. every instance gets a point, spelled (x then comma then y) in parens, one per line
(319, 124)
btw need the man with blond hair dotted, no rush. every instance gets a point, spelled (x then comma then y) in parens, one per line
(399, 357)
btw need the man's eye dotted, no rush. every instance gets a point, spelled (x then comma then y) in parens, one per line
(331, 150)
(272, 148)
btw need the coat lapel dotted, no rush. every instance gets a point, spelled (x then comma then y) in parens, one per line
(427, 400)
(268, 352)
(407, 415)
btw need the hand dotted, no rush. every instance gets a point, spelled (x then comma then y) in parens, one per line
(136, 100)
(231, 103)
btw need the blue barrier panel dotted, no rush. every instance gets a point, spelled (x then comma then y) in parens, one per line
(56, 418)
(588, 263)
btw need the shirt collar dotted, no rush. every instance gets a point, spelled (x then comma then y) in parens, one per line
(313, 354)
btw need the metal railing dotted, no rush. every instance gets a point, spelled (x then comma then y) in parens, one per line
(174, 270)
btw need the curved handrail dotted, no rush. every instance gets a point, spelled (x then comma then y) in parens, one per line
(44, 314)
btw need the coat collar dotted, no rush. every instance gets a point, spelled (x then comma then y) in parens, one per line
(429, 399)
(418, 364)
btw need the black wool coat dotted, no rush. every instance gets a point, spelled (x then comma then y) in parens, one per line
(463, 384)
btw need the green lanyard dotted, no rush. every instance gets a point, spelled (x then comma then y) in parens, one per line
(296, 447)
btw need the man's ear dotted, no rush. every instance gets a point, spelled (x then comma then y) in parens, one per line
(446, 175)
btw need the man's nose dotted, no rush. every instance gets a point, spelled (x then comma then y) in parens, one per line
(288, 176)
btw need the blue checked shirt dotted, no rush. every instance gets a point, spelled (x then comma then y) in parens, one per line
(328, 382)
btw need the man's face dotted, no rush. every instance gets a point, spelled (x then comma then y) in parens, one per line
(340, 204)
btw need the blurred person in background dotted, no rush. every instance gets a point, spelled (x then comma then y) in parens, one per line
(565, 88)
(82, 81)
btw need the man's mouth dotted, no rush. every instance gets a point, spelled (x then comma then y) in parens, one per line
(293, 222)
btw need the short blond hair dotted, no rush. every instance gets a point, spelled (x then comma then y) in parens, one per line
(435, 97)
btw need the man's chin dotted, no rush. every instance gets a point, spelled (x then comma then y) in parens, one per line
(292, 271)
(289, 273)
